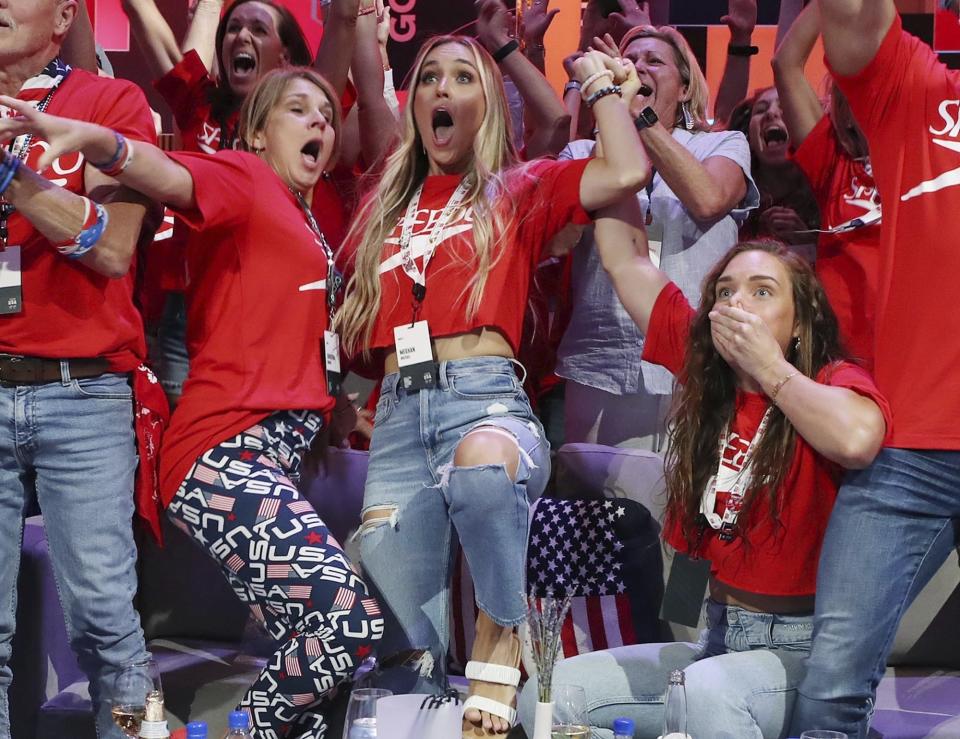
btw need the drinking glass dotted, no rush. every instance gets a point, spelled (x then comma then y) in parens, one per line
(361, 720)
(822, 734)
(569, 712)
(134, 682)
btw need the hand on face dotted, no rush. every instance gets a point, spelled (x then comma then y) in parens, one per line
(743, 339)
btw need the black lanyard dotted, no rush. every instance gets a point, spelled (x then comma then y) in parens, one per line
(648, 219)
(56, 70)
(334, 277)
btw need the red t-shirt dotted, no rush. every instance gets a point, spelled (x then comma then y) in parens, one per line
(544, 196)
(777, 559)
(906, 102)
(847, 263)
(70, 311)
(188, 88)
(256, 309)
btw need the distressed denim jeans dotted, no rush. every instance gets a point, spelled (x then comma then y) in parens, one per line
(425, 504)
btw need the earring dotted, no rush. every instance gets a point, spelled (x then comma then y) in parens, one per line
(796, 343)
(687, 117)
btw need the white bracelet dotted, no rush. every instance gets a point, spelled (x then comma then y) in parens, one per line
(584, 86)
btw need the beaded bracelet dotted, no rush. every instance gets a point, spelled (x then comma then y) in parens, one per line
(585, 85)
(602, 93)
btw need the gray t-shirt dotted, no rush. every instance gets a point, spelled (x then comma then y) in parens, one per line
(602, 345)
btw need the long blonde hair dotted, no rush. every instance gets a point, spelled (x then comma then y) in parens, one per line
(405, 169)
(698, 94)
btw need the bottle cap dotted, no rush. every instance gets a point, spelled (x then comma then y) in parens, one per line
(197, 730)
(154, 730)
(677, 678)
(239, 720)
(624, 726)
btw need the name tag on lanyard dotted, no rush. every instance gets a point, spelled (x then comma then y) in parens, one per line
(418, 371)
(11, 281)
(331, 359)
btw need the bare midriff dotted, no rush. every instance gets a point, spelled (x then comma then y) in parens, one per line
(481, 342)
(760, 602)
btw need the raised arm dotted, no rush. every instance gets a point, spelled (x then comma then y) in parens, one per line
(789, 12)
(844, 426)
(202, 34)
(153, 33)
(626, 167)
(339, 36)
(549, 120)
(621, 244)
(853, 31)
(149, 171)
(79, 47)
(802, 109)
(378, 125)
(741, 19)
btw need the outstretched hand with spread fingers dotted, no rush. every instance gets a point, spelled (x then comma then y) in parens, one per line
(63, 135)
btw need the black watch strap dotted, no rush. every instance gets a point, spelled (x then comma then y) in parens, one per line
(648, 117)
(738, 50)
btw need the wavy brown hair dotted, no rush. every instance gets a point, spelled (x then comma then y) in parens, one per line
(707, 389)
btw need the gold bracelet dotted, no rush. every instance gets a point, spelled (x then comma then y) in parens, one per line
(779, 386)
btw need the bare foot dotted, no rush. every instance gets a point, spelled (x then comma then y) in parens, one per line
(497, 645)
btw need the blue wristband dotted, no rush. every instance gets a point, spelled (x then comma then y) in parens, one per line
(88, 238)
(8, 170)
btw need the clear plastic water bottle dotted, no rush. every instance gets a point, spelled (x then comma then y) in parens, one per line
(675, 707)
(623, 728)
(363, 728)
(197, 730)
(239, 723)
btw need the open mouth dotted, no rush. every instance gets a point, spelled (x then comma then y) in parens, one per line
(442, 126)
(244, 64)
(645, 90)
(311, 151)
(775, 136)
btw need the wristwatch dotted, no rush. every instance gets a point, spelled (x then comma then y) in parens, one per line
(648, 117)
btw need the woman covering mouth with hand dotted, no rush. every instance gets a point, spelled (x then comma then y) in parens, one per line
(444, 248)
(262, 297)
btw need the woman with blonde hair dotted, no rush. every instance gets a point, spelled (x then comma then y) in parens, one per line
(700, 192)
(257, 395)
(444, 249)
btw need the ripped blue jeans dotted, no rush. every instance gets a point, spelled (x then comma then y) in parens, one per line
(417, 504)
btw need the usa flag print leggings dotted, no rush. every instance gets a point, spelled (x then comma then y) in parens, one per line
(240, 503)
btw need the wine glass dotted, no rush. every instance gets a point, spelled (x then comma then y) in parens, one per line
(569, 712)
(134, 682)
(361, 720)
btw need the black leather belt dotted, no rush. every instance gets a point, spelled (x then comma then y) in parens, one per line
(17, 370)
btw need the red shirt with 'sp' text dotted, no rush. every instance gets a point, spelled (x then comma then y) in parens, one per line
(542, 197)
(70, 311)
(257, 309)
(772, 557)
(848, 263)
(908, 104)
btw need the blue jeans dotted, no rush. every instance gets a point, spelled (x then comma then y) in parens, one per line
(170, 350)
(73, 443)
(429, 504)
(891, 529)
(741, 678)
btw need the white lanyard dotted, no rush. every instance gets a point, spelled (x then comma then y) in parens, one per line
(418, 276)
(740, 483)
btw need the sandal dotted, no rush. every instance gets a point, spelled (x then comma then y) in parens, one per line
(494, 674)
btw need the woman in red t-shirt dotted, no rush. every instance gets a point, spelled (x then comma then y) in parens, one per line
(768, 414)
(444, 248)
(262, 294)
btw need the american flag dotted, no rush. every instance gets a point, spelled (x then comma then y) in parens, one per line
(302, 699)
(312, 646)
(268, 509)
(205, 474)
(278, 572)
(371, 606)
(344, 600)
(219, 502)
(293, 666)
(301, 592)
(300, 506)
(234, 563)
